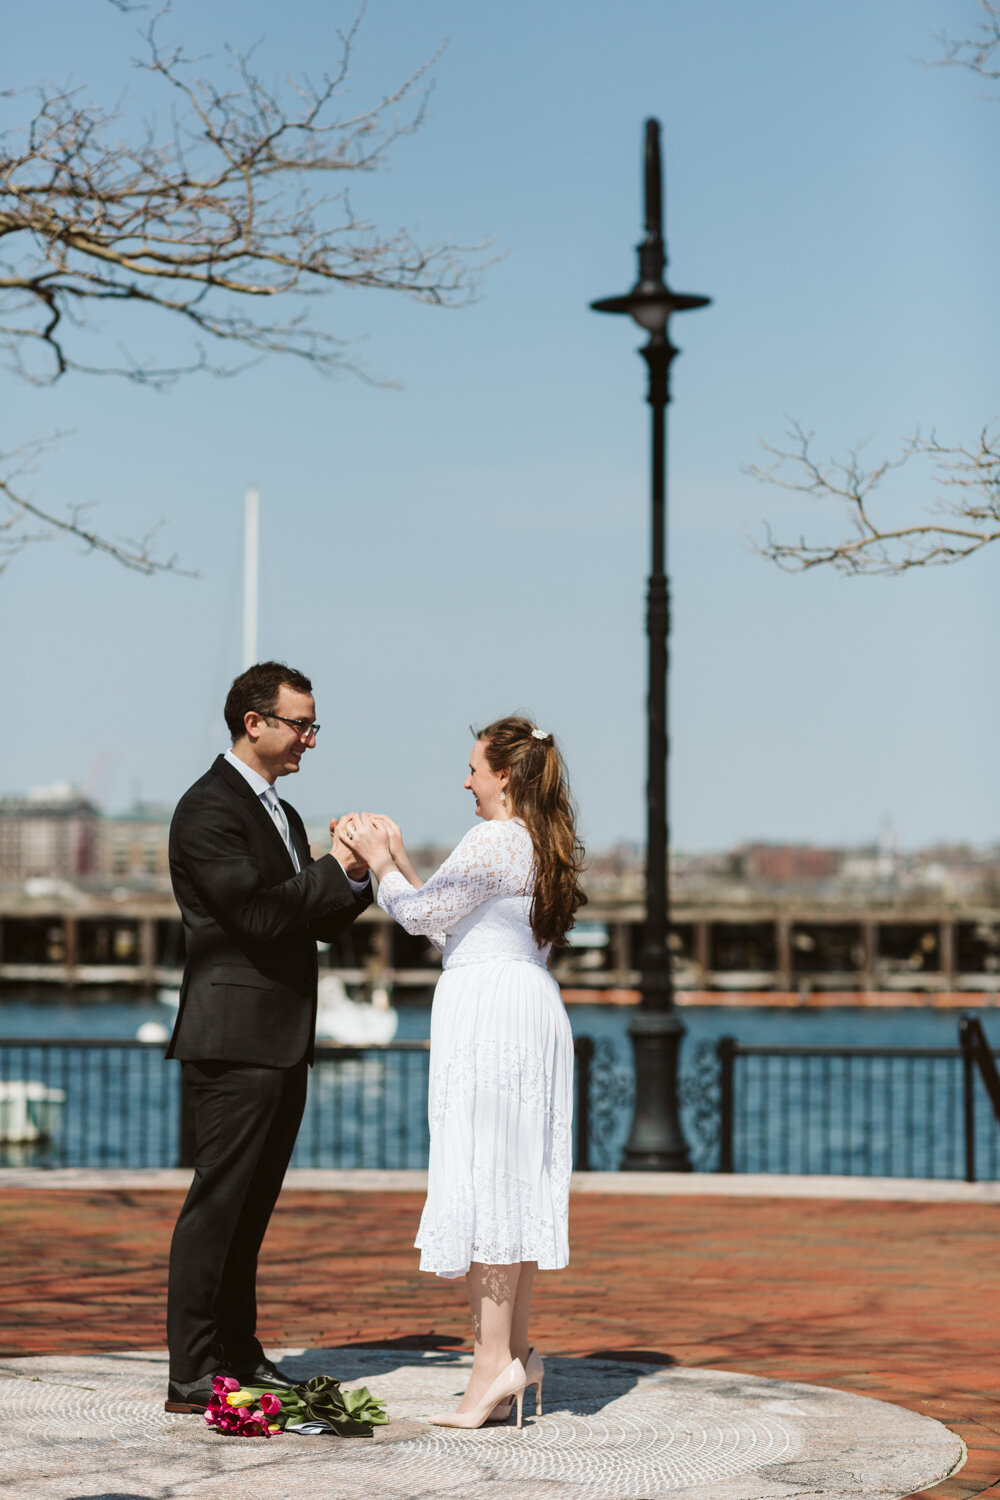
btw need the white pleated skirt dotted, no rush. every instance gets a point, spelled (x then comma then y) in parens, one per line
(500, 1108)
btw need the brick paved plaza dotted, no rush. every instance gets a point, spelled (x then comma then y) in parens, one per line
(898, 1300)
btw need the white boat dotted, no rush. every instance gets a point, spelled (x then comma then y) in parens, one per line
(357, 1022)
(29, 1111)
(338, 1017)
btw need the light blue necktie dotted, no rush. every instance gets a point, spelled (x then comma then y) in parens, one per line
(274, 807)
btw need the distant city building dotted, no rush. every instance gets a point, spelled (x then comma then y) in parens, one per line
(788, 865)
(132, 846)
(621, 868)
(56, 833)
(52, 832)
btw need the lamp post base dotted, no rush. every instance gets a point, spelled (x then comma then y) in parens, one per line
(656, 1142)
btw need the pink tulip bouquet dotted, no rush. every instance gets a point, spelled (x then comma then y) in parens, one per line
(241, 1412)
(314, 1406)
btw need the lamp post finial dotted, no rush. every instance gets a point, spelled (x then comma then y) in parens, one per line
(654, 180)
(652, 253)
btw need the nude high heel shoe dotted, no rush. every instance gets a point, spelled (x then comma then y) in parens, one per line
(535, 1372)
(509, 1385)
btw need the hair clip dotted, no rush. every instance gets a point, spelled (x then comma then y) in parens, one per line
(539, 734)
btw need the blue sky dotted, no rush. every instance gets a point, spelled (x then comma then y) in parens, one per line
(476, 540)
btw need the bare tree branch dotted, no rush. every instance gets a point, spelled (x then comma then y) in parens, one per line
(969, 476)
(225, 211)
(969, 522)
(24, 521)
(240, 204)
(978, 53)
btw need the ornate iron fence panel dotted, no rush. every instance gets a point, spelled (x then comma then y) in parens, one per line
(612, 1095)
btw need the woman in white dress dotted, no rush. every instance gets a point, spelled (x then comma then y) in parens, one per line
(501, 1064)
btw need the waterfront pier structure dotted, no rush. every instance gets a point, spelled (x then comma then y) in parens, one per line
(795, 945)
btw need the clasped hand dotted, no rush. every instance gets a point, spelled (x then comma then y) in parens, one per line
(365, 841)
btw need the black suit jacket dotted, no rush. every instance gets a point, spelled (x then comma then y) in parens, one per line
(251, 925)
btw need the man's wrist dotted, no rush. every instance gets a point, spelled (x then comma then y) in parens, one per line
(357, 882)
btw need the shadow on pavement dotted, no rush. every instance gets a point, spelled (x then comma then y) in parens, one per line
(574, 1384)
(634, 1356)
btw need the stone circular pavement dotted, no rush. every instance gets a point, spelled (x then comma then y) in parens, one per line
(93, 1428)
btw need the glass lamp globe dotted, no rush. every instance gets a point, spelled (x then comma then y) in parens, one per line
(650, 313)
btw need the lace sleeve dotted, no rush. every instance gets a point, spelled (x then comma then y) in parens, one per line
(471, 874)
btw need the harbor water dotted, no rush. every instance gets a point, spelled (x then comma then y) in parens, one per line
(369, 1109)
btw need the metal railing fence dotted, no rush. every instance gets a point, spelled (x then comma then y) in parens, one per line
(113, 1103)
(856, 1111)
(119, 1105)
(866, 1111)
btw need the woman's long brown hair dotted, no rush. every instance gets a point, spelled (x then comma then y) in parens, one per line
(538, 793)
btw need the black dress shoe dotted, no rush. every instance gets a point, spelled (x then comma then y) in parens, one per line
(191, 1395)
(266, 1373)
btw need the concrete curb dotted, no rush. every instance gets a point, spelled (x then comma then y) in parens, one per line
(633, 1184)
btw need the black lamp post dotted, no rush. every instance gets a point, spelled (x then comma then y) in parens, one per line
(656, 1142)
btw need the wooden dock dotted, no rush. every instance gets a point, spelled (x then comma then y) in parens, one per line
(800, 950)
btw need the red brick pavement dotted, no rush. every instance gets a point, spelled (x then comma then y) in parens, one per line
(899, 1301)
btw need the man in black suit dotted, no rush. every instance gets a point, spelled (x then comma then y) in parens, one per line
(254, 903)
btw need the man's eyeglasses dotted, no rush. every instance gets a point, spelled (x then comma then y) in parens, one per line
(304, 728)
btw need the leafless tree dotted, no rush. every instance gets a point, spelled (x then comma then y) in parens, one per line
(24, 522)
(967, 517)
(979, 53)
(955, 530)
(239, 205)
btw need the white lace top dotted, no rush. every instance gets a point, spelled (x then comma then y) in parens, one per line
(478, 904)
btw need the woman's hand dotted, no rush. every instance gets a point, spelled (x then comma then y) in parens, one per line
(369, 842)
(384, 822)
(400, 858)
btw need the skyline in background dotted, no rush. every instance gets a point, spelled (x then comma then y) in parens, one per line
(476, 541)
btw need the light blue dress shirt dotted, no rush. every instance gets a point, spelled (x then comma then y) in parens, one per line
(261, 787)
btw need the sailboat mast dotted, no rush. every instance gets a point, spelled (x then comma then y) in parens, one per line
(251, 570)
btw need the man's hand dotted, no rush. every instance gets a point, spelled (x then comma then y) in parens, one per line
(349, 859)
(370, 842)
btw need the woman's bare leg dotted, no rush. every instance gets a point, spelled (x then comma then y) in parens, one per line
(493, 1294)
(519, 1341)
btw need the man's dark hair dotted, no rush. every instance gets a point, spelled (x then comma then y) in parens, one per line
(256, 691)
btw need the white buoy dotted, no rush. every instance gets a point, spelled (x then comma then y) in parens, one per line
(152, 1031)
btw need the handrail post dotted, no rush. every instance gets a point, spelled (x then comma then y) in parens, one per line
(584, 1049)
(971, 1028)
(966, 1042)
(726, 1052)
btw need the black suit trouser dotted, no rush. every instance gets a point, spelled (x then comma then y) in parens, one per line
(246, 1119)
